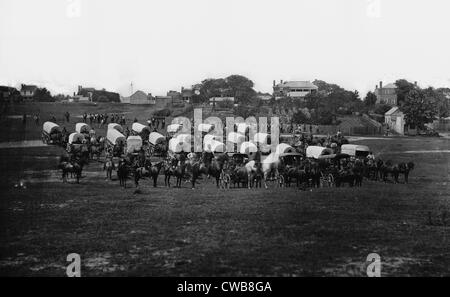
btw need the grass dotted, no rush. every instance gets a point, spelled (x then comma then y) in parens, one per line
(210, 232)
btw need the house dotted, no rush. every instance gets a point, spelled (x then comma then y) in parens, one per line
(98, 95)
(387, 94)
(395, 120)
(28, 91)
(9, 94)
(139, 97)
(187, 94)
(220, 99)
(264, 96)
(293, 89)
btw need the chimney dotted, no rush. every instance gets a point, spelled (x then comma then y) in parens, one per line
(381, 84)
(376, 87)
(415, 83)
(274, 83)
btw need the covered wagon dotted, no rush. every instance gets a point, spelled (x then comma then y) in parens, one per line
(134, 144)
(82, 128)
(248, 148)
(76, 138)
(359, 151)
(236, 137)
(317, 151)
(51, 133)
(214, 146)
(175, 146)
(157, 143)
(205, 128)
(116, 127)
(143, 131)
(115, 142)
(174, 128)
(284, 148)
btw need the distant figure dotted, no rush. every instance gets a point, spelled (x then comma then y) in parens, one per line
(149, 122)
(67, 116)
(24, 119)
(163, 123)
(84, 117)
(135, 120)
(53, 118)
(36, 119)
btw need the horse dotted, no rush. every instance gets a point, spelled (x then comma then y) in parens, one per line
(74, 167)
(179, 172)
(169, 170)
(196, 168)
(149, 170)
(255, 173)
(396, 170)
(225, 179)
(238, 176)
(270, 167)
(122, 173)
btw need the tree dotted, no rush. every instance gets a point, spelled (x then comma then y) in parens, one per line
(370, 99)
(418, 109)
(241, 88)
(403, 89)
(43, 95)
(300, 118)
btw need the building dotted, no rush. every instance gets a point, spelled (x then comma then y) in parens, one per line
(386, 94)
(293, 89)
(187, 94)
(28, 91)
(9, 94)
(395, 120)
(214, 100)
(98, 95)
(264, 96)
(140, 97)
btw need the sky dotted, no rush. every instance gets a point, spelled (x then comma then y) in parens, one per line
(162, 45)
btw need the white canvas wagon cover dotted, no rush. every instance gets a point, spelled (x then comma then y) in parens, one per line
(353, 149)
(50, 127)
(316, 151)
(155, 138)
(176, 146)
(139, 128)
(248, 148)
(114, 136)
(261, 138)
(210, 137)
(236, 137)
(214, 146)
(174, 128)
(134, 144)
(76, 138)
(116, 127)
(284, 148)
(206, 128)
(82, 128)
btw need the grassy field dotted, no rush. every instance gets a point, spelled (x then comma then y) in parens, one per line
(12, 129)
(211, 232)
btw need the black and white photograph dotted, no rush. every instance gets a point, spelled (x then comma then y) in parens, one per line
(240, 140)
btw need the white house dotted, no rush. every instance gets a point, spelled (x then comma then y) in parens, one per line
(395, 120)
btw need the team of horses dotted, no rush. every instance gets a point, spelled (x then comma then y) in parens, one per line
(228, 172)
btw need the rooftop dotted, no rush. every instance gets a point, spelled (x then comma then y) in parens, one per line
(298, 84)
